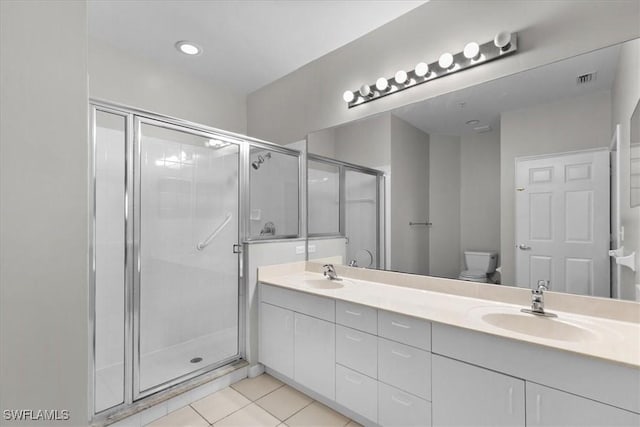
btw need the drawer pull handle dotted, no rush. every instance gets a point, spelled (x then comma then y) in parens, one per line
(398, 353)
(400, 325)
(400, 401)
(511, 400)
(538, 407)
(353, 313)
(352, 380)
(356, 339)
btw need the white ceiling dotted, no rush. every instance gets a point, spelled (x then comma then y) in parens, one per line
(444, 115)
(247, 43)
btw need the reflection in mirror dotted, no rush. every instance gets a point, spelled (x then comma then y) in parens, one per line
(635, 157)
(506, 182)
(324, 198)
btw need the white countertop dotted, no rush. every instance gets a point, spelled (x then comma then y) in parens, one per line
(602, 337)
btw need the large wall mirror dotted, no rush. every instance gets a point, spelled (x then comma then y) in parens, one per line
(507, 182)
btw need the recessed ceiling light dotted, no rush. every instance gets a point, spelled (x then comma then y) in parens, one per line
(473, 122)
(188, 48)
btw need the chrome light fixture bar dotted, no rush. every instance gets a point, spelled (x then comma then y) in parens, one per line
(473, 54)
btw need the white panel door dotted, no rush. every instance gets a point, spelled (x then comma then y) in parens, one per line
(315, 354)
(276, 338)
(562, 222)
(547, 407)
(465, 395)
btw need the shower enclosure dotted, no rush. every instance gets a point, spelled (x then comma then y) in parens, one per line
(171, 211)
(346, 200)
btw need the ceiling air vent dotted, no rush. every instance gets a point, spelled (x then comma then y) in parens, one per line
(586, 78)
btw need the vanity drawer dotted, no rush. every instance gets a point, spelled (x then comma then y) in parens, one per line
(404, 329)
(357, 350)
(312, 305)
(357, 392)
(397, 408)
(357, 316)
(405, 367)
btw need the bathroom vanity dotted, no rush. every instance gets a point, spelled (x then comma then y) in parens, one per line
(394, 349)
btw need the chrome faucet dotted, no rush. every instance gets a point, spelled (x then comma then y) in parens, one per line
(537, 300)
(330, 272)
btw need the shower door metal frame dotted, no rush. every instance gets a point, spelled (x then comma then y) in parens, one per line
(138, 393)
(134, 402)
(301, 179)
(128, 256)
(343, 167)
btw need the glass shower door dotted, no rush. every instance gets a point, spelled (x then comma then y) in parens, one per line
(362, 226)
(187, 279)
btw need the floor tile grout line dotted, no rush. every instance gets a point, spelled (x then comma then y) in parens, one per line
(229, 414)
(202, 416)
(307, 405)
(272, 391)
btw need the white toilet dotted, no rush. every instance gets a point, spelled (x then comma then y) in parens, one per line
(479, 265)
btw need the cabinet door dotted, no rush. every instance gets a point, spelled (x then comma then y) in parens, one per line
(465, 395)
(315, 354)
(276, 338)
(550, 407)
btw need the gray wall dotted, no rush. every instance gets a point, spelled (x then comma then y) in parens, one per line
(445, 256)
(44, 214)
(568, 125)
(409, 198)
(310, 98)
(480, 191)
(365, 142)
(118, 76)
(625, 95)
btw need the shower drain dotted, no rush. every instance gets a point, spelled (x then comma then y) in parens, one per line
(196, 360)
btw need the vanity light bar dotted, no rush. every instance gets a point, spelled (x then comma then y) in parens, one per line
(504, 44)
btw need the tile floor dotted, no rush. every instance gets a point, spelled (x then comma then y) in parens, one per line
(262, 401)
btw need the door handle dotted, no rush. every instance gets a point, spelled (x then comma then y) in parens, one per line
(524, 247)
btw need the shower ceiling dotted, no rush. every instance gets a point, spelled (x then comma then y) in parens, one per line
(246, 44)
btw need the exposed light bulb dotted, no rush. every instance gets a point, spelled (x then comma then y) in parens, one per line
(348, 96)
(502, 40)
(446, 61)
(401, 77)
(382, 84)
(421, 70)
(365, 90)
(188, 48)
(471, 50)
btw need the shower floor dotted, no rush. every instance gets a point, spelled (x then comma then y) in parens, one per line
(166, 364)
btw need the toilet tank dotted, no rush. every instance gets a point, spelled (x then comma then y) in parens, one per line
(485, 261)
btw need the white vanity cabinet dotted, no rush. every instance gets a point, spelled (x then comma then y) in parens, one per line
(547, 407)
(297, 337)
(276, 338)
(314, 354)
(466, 395)
(389, 369)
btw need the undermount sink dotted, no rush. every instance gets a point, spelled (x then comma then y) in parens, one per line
(553, 328)
(323, 284)
(317, 282)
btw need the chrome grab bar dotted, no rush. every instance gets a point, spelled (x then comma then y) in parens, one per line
(200, 246)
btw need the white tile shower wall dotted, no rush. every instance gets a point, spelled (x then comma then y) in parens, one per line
(109, 322)
(187, 296)
(274, 193)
